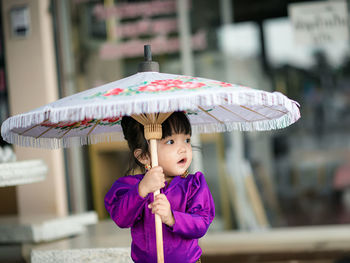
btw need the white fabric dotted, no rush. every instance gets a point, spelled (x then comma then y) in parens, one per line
(226, 107)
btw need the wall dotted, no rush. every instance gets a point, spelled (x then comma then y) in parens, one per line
(32, 82)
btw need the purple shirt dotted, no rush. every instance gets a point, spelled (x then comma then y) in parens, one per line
(191, 204)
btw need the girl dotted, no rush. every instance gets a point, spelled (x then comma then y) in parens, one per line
(184, 205)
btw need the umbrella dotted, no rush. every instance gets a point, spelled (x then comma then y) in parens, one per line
(94, 115)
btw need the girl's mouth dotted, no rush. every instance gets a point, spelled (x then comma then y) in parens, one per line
(182, 161)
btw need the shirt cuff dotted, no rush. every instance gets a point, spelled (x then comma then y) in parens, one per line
(135, 192)
(177, 217)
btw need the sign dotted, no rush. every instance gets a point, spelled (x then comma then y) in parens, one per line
(132, 10)
(153, 22)
(20, 21)
(318, 23)
(160, 45)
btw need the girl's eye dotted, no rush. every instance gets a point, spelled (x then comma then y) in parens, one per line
(188, 140)
(170, 142)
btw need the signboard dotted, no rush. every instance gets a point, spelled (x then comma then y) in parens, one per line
(153, 22)
(20, 21)
(317, 23)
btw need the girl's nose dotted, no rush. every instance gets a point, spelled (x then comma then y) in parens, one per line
(182, 148)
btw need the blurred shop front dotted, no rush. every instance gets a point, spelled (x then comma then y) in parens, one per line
(299, 48)
(301, 171)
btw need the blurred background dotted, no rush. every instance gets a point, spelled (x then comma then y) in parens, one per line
(301, 174)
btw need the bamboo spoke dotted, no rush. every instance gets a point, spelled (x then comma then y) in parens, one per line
(49, 129)
(211, 115)
(93, 127)
(141, 118)
(244, 107)
(149, 118)
(275, 109)
(233, 113)
(73, 126)
(32, 127)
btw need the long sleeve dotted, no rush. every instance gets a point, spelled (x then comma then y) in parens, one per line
(123, 202)
(193, 209)
(200, 211)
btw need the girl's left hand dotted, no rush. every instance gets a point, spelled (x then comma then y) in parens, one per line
(161, 207)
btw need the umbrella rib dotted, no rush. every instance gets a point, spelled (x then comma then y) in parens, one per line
(73, 126)
(233, 113)
(244, 107)
(140, 118)
(148, 118)
(93, 127)
(47, 130)
(211, 115)
(145, 119)
(32, 127)
(163, 116)
(275, 109)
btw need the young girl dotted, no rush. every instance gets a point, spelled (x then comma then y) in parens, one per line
(184, 205)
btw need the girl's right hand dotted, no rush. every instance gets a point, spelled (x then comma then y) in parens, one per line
(152, 181)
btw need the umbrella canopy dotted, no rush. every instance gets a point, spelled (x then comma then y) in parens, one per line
(94, 115)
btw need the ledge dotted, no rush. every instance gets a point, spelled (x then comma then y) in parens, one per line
(43, 228)
(23, 172)
(101, 255)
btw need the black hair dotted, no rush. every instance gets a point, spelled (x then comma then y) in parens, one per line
(176, 123)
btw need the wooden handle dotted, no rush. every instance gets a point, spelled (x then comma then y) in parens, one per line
(158, 221)
(153, 131)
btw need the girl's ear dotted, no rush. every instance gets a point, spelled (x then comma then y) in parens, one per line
(142, 158)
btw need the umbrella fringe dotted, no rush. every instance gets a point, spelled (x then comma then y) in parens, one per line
(55, 143)
(265, 125)
(162, 104)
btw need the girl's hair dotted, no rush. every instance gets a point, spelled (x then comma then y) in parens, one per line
(133, 131)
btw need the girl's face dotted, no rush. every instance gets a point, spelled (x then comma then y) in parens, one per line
(175, 154)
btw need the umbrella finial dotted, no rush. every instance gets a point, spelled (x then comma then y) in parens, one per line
(148, 64)
(147, 52)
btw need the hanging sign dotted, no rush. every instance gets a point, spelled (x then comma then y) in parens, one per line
(154, 22)
(318, 23)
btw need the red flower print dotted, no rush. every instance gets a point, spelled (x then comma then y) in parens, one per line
(191, 85)
(161, 85)
(112, 119)
(66, 124)
(168, 84)
(58, 125)
(85, 122)
(112, 92)
(48, 124)
(225, 84)
(154, 87)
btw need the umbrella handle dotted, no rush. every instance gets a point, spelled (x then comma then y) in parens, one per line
(158, 221)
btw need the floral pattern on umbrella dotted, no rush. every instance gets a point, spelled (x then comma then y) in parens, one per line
(82, 125)
(163, 85)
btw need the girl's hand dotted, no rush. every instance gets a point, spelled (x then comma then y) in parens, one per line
(161, 207)
(152, 181)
